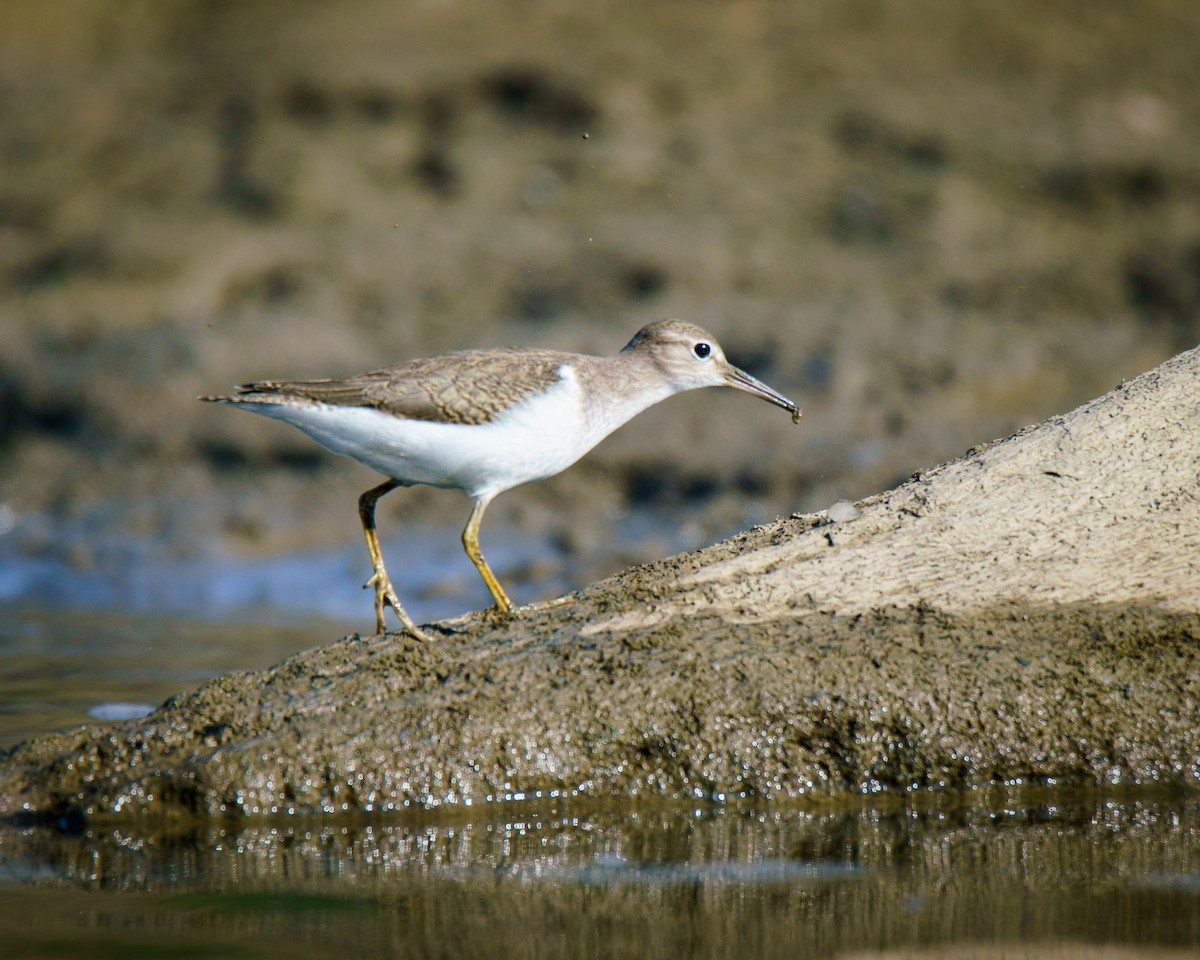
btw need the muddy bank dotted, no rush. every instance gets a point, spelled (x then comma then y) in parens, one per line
(1027, 613)
(818, 706)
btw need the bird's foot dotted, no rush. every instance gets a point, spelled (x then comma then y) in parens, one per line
(500, 614)
(385, 596)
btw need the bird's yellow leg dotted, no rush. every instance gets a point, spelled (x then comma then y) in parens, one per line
(385, 593)
(470, 542)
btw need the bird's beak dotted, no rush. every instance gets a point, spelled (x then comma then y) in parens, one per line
(741, 380)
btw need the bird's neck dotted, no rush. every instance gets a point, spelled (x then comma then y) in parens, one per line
(621, 387)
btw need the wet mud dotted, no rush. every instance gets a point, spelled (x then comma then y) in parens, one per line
(806, 707)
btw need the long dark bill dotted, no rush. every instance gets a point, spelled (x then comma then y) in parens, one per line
(741, 380)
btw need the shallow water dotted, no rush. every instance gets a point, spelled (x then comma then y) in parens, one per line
(93, 563)
(1051, 873)
(1028, 877)
(59, 669)
(102, 560)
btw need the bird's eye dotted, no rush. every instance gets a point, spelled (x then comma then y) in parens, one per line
(702, 350)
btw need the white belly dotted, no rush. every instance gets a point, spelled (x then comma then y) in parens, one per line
(534, 439)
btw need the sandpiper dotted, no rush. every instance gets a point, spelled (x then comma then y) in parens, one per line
(485, 421)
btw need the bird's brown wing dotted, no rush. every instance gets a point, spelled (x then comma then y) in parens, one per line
(471, 386)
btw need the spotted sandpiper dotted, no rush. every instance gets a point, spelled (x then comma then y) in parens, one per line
(485, 421)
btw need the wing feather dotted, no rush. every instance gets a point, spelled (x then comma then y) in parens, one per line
(470, 386)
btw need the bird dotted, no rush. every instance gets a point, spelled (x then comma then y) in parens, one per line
(485, 421)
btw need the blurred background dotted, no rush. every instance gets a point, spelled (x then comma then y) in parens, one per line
(929, 223)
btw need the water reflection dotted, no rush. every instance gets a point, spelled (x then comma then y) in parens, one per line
(562, 880)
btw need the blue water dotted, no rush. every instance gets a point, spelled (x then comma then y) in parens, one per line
(149, 576)
(93, 562)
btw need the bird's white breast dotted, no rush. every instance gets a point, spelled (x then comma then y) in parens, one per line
(535, 438)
